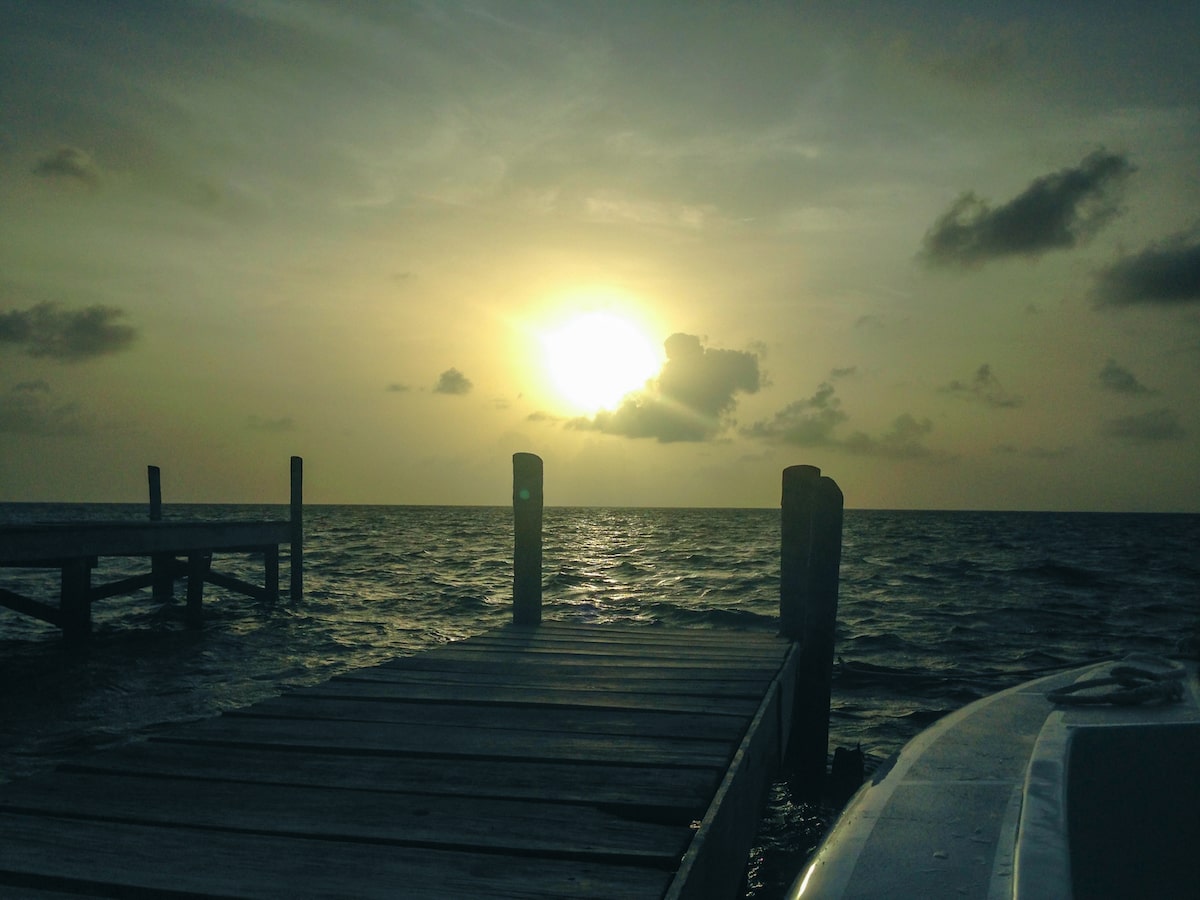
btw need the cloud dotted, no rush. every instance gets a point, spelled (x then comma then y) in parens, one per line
(453, 381)
(1120, 380)
(1055, 212)
(691, 399)
(45, 330)
(1164, 274)
(902, 441)
(984, 388)
(1150, 427)
(813, 422)
(258, 423)
(397, 387)
(805, 423)
(27, 408)
(69, 163)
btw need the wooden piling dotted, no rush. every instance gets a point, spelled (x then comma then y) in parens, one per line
(527, 539)
(75, 602)
(162, 566)
(296, 519)
(810, 559)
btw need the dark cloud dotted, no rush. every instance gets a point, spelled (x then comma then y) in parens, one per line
(453, 381)
(28, 408)
(1150, 427)
(984, 388)
(902, 441)
(814, 421)
(70, 163)
(397, 387)
(1055, 212)
(70, 335)
(1120, 380)
(1164, 274)
(805, 423)
(845, 372)
(259, 423)
(692, 398)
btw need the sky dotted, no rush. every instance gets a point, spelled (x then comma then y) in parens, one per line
(948, 252)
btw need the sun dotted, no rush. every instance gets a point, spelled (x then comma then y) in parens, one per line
(594, 359)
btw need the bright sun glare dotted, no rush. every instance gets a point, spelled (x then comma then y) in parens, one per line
(596, 358)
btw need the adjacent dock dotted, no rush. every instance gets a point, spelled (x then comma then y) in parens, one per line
(538, 760)
(174, 549)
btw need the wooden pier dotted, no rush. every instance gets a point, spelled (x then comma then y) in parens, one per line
(547, 759)
(174, 549)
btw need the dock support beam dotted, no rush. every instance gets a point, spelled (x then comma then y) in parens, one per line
(527, 539)
(810, 559)
(162, 565)
(296, 519)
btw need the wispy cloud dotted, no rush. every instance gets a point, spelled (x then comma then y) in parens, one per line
(1151, 427)
(690, 400)
(263, 423)
(29, 408)
(1055, 212)
(814, 422)
(453, 382)
(984, 388)
(69, 163)
(1119, 380)
(70, 335)
(1163, 274)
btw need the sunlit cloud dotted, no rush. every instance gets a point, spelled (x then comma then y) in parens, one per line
(71, 335)
(692, 398)
(1056, 212)
(1150, 427)
(1163, 274)
(1119, 380)
(453, 382)
(984, 388)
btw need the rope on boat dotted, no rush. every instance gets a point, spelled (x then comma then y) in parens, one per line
(1139, 678)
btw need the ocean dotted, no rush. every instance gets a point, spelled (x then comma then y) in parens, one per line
(936, 609)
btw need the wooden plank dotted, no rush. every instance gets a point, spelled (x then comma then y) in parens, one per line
(475, 693)
(31, 543)
(450, 741)
(27, 606)
(118, 859)
(553, 830)
(670, 793)
(314, 706)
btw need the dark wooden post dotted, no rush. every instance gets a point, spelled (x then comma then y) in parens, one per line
(75, 602)
(527, 539)
(297, 530)
(810, 559)
(162, 565)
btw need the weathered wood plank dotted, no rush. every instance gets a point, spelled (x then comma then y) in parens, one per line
(669, 793)
(109, 858)
(30, 543)
(450, 741)
(569, 720)
(555, 830)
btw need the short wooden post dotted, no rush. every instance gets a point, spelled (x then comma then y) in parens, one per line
(527, 539)
(810, 559)
(162, 566)
(197, 570)
(296, 519)
(75, 602)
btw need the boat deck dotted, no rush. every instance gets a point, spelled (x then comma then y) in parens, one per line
(531, 761)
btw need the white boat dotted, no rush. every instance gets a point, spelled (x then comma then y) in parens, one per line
(1083, 784)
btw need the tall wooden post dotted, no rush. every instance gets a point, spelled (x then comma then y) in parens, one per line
(296, 518)
(527, 539)
(810, 559)
(162, 576)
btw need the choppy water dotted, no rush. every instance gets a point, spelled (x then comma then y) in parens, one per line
(937, 609)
